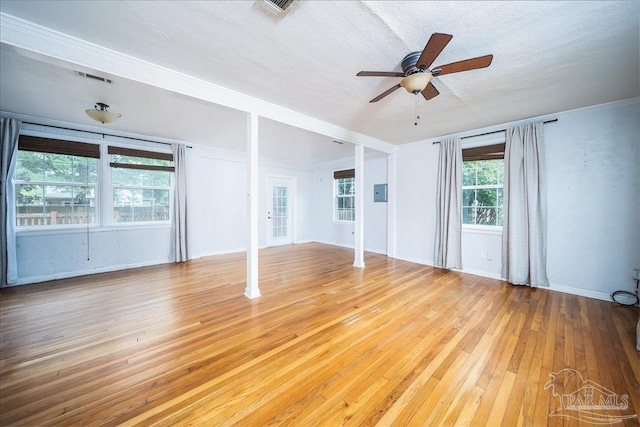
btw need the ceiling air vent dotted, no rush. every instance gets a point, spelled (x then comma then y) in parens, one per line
(92, 77)
(274, 8)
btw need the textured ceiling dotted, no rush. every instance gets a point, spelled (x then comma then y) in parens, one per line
(548, 57)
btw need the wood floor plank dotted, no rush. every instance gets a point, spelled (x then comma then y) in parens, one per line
(327, 344)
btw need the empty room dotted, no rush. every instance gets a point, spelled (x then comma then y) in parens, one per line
(319, 213)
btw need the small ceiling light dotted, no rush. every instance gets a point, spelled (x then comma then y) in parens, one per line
(416, 82)
(100, 114)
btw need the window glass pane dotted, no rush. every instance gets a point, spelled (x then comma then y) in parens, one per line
(468, 197)
(140, 195)
(138, 177)
(489, 171)
(140, 205)
(64, 202)
(85, 170)
(487, 196)
(29, 166)
(468, 215)
(469, 173)
(123, 201)
(486, 216)
(345, 189)
(482, 199)
(29, 205)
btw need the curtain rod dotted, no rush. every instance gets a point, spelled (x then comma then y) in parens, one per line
(491, 133)
(102, 133)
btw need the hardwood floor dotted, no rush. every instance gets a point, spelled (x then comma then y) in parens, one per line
(327, 344)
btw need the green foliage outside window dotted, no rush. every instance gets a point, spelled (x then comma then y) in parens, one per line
(482, 182)
(140, 195)
(53, 189)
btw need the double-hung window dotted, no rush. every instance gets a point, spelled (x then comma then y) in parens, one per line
(482, 182)
(140, 185)
(56, 182)
(345, 192)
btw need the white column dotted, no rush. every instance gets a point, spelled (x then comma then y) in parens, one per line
(252, 290)
(359, 201)
(391, 205)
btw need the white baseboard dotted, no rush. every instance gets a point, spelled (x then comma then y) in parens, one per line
(69, 274)
(415, 260)
(481, 273)
(221, 252)
(552, 287)
(375, 251)
(579, 291)
(301, 242)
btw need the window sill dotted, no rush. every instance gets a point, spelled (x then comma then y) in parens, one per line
(482, 229)
(49, 230)
(343, 222)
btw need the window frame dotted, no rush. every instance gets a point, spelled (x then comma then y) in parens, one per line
(103, 186)
(115, 149)
(482, 153)
(339, 175)
(43, 143)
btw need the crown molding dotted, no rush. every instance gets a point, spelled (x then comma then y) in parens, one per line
(53, 44)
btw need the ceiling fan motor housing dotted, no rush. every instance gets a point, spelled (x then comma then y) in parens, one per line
(409, 63)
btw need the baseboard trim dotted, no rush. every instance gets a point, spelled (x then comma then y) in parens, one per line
(481, 273)
(579, 291)
(375, 251)
(222, 252)
(552, 287)
(70, 274)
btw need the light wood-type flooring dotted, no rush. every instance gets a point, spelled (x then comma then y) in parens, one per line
(394, 344)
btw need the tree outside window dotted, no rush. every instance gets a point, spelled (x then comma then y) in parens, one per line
(482, 183)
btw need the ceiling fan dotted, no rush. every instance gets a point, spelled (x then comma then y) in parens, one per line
(416, 73)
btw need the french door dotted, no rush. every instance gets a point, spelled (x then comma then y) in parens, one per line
(280, 208)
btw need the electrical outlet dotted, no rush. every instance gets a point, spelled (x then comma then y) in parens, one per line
(489, 256)
(636, 274)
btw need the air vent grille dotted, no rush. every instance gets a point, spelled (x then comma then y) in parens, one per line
(92, 77)
(274, 7)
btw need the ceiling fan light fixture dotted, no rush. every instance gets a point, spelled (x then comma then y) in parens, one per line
(416, 82)
(100, 114)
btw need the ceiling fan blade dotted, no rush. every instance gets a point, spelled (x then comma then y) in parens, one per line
(430, 92)
(385, 93)
(466, 65)
(380, 74)
(434, 46)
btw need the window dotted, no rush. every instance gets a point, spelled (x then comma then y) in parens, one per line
(482, 182)
(55, 182)
(345, 190)
(141, 185)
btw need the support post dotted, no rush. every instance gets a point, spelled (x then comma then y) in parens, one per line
(391, 205)
(252, 290)
(359, 202)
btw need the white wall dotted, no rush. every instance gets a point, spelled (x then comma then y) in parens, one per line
(593, 158)
(326, 230)
(593, 170)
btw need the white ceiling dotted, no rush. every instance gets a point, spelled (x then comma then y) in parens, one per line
(548, 57)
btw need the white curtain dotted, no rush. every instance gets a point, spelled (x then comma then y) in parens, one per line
(524, 233)
(9, 132)
(448, 247)
(179, 219)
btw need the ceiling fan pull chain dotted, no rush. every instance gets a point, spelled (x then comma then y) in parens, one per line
(417, 111)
